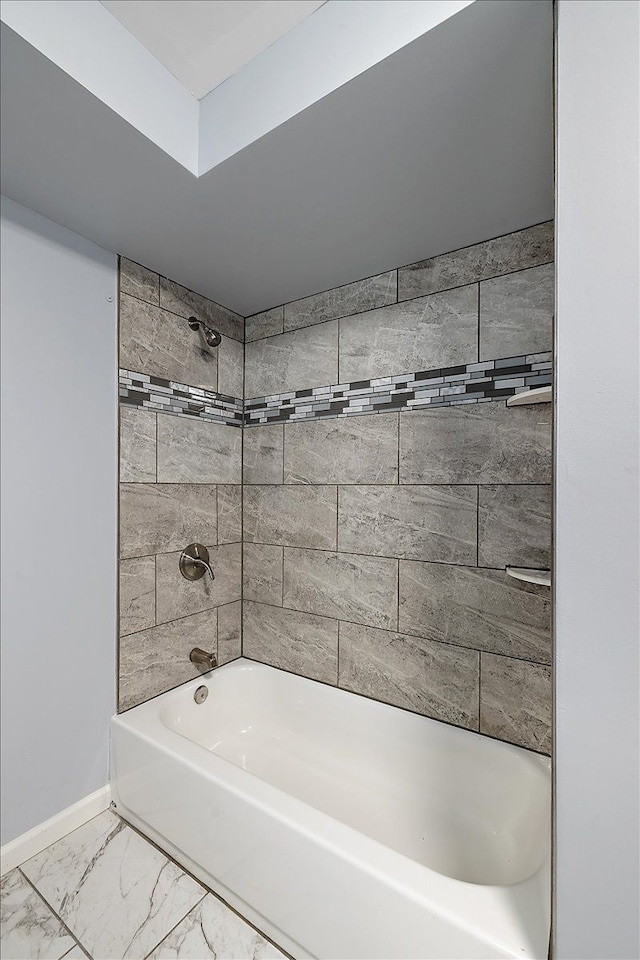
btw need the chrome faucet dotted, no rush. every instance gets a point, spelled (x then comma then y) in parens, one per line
(194, 562)
(204, 661)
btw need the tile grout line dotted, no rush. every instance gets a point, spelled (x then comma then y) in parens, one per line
(417, 636)
(54, 912)
(365, 696)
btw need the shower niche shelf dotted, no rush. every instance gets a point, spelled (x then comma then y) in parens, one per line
(529, 575)
(536, 395)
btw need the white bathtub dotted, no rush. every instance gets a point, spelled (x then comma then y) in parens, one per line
(342, 827)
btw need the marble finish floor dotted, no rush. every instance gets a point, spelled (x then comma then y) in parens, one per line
(106, 893)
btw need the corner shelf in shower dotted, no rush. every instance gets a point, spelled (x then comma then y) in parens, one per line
(537, 395)
(529, 575)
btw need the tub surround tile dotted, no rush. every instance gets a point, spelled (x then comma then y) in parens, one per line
(516, 313)
(161, 344)
(117, 894)
(472, 607)
(262, 573)
(178, 299)
(231, 367)
(29, 929)
(139, 281)
(292, 361)
(137, 446)
(229, 513)
(436, 523)
(514, 251)
(156, 660)
(263, 455)
(435, 331)
(342, 585)
(355, 450)
(514, 525)
(158, 518)
(140, 391)
(212, 930)
(137, 594)
(515, 701)
(177, 597)
(434, 679)
(293, 516)
(298, 642)
(229, 632)
(196, 451)
(342, 301)
(265, 324)
(481, 443)
(470, 383)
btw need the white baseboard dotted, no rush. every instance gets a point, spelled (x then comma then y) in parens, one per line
(33, 841)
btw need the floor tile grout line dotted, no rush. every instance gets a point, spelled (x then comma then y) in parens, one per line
(207, 890)
(45, 901)
(188, 913)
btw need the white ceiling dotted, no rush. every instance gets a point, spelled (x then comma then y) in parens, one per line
(445, 143)
(203, 42)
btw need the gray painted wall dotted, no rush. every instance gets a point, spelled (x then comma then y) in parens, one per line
(596, 576)
(58, 516)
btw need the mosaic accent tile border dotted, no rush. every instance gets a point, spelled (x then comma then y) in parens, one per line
(179, 399)
(470, 383)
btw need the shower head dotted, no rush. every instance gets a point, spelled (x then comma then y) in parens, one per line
(210, 336)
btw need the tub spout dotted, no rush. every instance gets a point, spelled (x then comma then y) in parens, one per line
(204, 661)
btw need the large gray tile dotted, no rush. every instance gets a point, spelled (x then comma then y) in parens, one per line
(342, 585)
(157, 342)
(435, 679)
(292, 361)
(515, 701)
(515, 251)
(177, 597)
(29, 930)
(294, 516)
(516, 313)
(412, 522)
(137, 445)
(265, 324)
(137, 594)
(155, 660)
(198, 451)
(263, 454)
(435, 331)
(229, 513)
(342, 301)
(186, 303)
(262, 573)
(476, 443)
(229, 632)
(139, 281)
(471, 607)
(231, 367)
(213, 931)
(347, 450)
(157, 518)
(294, 641)
(118, 894)
(514, 525)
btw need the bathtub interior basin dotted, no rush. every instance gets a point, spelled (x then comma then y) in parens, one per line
(466, 806)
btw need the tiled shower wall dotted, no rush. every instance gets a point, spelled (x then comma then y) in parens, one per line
(180, 482)
(386, 486)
